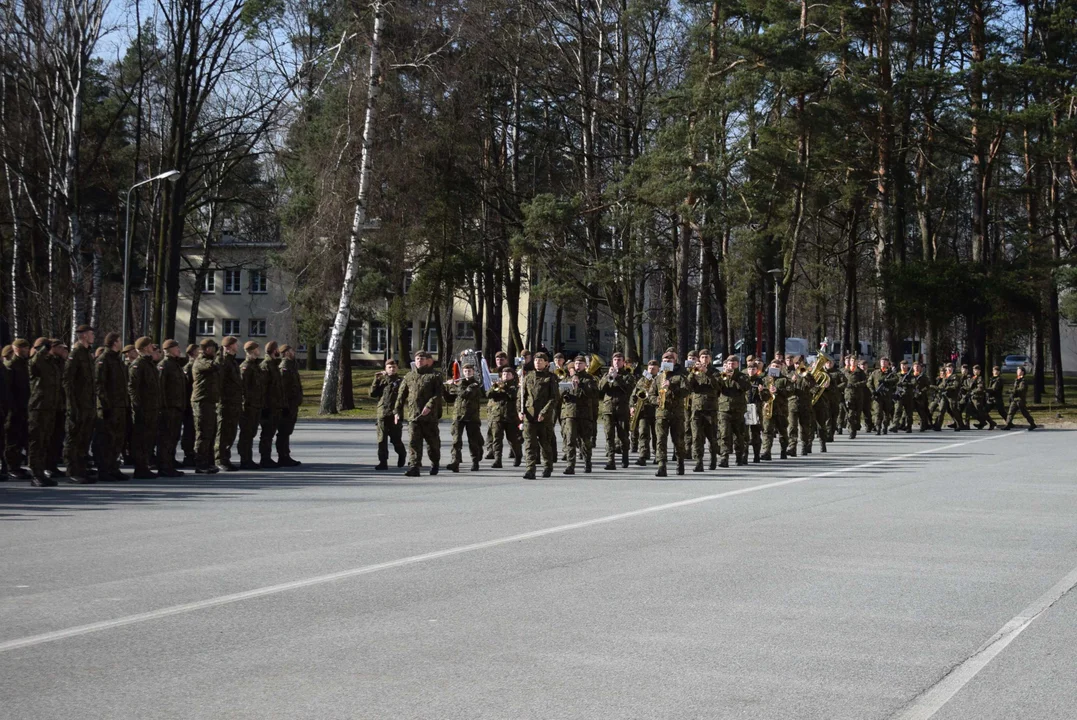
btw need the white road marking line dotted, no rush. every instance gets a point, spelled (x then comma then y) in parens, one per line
(449, 552)
(934, 698)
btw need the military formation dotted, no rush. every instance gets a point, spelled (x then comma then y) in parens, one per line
(95, 410)
(705, 413)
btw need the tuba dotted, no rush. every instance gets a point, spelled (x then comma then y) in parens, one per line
(768, 404)
(595, 366)
(821, 376)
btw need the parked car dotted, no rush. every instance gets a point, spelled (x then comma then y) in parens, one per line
(1012, 362)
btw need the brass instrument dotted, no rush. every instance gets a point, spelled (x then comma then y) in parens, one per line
(821, 376)
(596, 364)
(768, 404)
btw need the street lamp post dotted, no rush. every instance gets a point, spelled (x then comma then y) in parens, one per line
(171, 176)
(776, 272)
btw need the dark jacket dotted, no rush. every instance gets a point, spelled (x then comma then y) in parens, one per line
(46, 382)
(173, 383)
(274, 387)
(254, 384)
(422, 388)
(111, 380)
(291, 384)
(143, 386)
(78, 380)
(385, 389)
(231, 382)
(206, 382)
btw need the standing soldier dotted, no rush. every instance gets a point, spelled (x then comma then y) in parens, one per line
(113, 408)
(1017, 402)
(292, 392)
(995, 392)
(145, 392)
(502, 414)
(189, 459)
(865, 397)
(16, 431)
(904, 399)
(205, 394)
(755, 403)
(254, 398)
(732, 404)
(576, 414)
(79, 388)
(615, 389)
(881, 383)
(174, 400)
(539, 402)
(643, 432)
(467, 393)
(667, 395)
(776, 418)
(419, 401)
(501, 361)
(801, 418)
(274, 403)
(230, 407)
(978, 396)
(59, 355)
(46, 386)
(705, 385)
(384, 389)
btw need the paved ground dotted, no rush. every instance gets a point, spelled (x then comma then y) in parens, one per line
(845, 585)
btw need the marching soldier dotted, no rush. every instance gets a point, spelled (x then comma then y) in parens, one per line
(46, 387)
(978, 398)
(643, 429)
(865, 397)
(292, 393)
(995, 392)
(1017, 402)
(419, 400)
(174, 400)
(922, 389)
(187, 438)
(145, 392)
(274, 403)
(854, 381)
(501, 361)
(16, 430)
(835, 394)
(129, 357)
(615, 389)
(466, 393)
(690, 362)
(560, 371)
(948, 399)
(881, 383)
(384, 389)
(540, 395)
(230, 407)
(502, 414)
(755, 404)
(205, 395)
(779, 388)
(705, 386)
(732, 404)
(801, 418)
(254, 398)
(113, 408)
(576, 414)
(667, 394)
(903, 399)
(78, 375)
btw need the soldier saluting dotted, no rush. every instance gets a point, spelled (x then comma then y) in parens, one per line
(254, 391)
(113, 406)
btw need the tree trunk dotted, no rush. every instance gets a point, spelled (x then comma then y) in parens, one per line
(345, 394)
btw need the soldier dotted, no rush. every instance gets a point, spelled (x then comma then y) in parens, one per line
(995, 392)
(174, 400)
(16, 430)
(776, 421)
(965, 397)
(384, 389)
(230, 407)
(419, 401)
(560, 371)
(576, 394)
(978, 397)
(834, 395)
(501, 361)
(855, 379)
(667, 394)
(46, 385)
(755, 404)
(881, 383)
(865, 397)
(732, 404)
(615, 390)
(466, 393)
(292, 391)
(705, 385)
(502, 414)
(205, 395)
(921, 389)
(254, 398)
(187, 440)
(59, 355)
(129, 356)
(643, 419)
(948, 399)
(690, 362)
(540, 393)
(79, 388)
(274, 403)
(1017, 402)
(904, 395)
(113, 408)
(820, 409)
(144, 390)
(801, 417)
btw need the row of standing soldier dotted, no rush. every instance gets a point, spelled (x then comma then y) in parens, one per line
(140, 403)
(675, 412)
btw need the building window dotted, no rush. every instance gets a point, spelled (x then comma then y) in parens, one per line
(258, 282)
(257, 328)
(357, 338)
(378, 338)
(431, 340)
(407, 282)
(209, 282)
(204, 326)
(230, 326)
(572, 333)
(465, 330)
(232, 284)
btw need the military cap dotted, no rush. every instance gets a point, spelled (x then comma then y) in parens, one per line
(271, 347)
(7, 352)
(580, 358)
(542, 356)
(39, 342)
(285, 348)
(421, 355)
(110, 338)
(83, 328)
(191, 349)
(652, 362)
(558, 356)
(57, 342)
(128, 348)
(749, 358)
(229, 341)
(208, 343)
(469, 365)
(501, 354)
(250, 345)
(20, 343)
(669, 350)
(142, 343)
(169, 344)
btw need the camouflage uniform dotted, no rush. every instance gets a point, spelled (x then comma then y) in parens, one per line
(79, 388)
(666, 395)
(205, 394)
(229, 409)
(422, 389)
(254, 392)
(540, 398)
(384, 389)
(577, 420)
(145, 392)
(504, 420)
(616, 393)
(174, 400)
(113, 408)
(467, 395)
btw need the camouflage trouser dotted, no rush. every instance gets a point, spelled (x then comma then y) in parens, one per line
(980, 411)
(143, 438)
(420, 431)
(948, 407)
(821, 411)
(616, 436)
(578, 439)
(669, 427)
(839, 412)
(778, 424)
(923, 411)
(704, 430)
(538, 436)
(502, 429)
(389, 431)
(80, 424)
(269, 423)
(801, 421)
(41, 427)
(248, 428)
(227, 426)
(883, 412)
(169, 424)
(851, 413)
(473, 430)
(1017, 405)
(644, 437)
(205, 433)
(734, 433)
(285, 428)
(16, 437)
(110, 428)
(686, 424)
(865, 411)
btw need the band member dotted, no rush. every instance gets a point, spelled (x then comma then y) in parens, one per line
(539, 402)
(667, 394)
(467, 393)
(732, 404)
(643, 429)
(502, 413)
(576, 394)
(755, 405)
(615, 389)
(704, 383)
(776, 418)
(419, 402)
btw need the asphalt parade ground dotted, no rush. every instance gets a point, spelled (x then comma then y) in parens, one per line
(912, 576)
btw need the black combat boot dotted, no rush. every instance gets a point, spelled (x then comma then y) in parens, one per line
(453, 466)
(497, 464)
(382, 466)
(852, 434)
(784, 455)
(517, 461)
(624, 460)
(412, 472)
(680, 467)
(586, 466)
(569, 471)
(547, 472)
(698, 467)
(714, 462)
(40, 479)
(400, 458)
(725, 462)
(474, 466)
(641, 461)
(434, 469)
(611, 465)
(661, 471)
(529, 475)
(765, 457)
